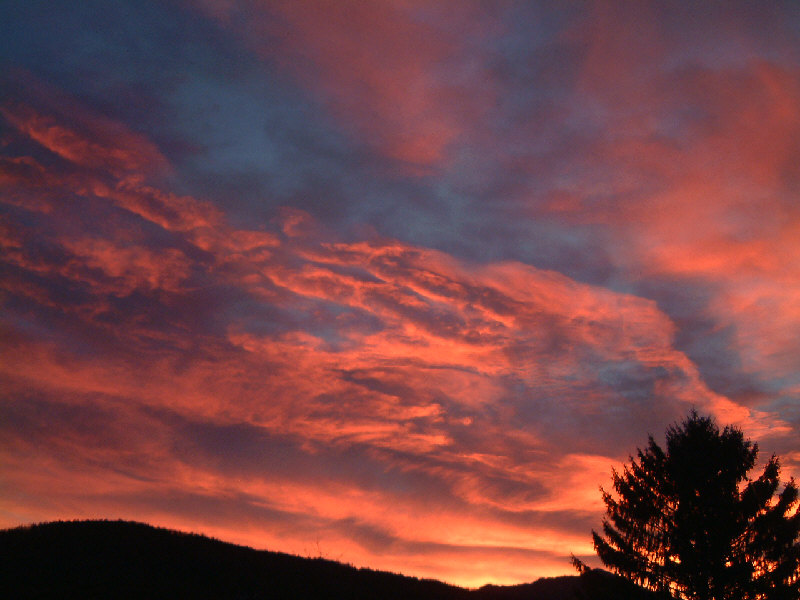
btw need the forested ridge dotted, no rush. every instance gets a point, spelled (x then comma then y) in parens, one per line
(121, 559)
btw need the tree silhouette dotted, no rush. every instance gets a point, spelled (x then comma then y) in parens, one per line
(690, 523)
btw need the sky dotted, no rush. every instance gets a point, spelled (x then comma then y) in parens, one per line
(392, 282)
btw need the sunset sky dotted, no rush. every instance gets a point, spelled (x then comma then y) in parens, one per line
(394, 282)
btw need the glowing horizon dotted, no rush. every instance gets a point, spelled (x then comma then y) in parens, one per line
(398, 282)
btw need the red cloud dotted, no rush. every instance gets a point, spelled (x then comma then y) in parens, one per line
(58, 123)
(268, 386)
(382, 67)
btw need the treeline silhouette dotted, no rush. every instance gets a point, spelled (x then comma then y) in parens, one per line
(121, 559)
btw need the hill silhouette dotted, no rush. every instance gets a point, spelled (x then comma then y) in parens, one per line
(121, 559)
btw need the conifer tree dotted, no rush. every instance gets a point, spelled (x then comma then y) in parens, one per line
(689, 522)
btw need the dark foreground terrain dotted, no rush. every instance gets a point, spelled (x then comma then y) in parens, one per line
(119, 559)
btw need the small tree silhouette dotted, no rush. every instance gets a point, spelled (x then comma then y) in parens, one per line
(690, 523)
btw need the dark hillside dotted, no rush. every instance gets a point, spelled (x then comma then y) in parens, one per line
(594, 584)
(118, 559)
(105, 559)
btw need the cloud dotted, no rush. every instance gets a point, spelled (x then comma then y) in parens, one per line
(405, 392)
(56, 122)
(713, 210)
(652, 151)
(385, 69)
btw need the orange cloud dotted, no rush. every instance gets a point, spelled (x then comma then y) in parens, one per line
(692, 172)
(382, 67)
(407, 407)
(58, 123)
